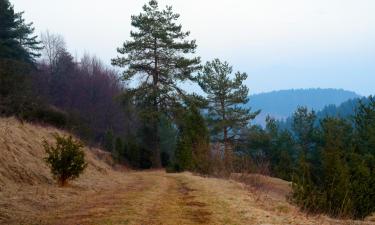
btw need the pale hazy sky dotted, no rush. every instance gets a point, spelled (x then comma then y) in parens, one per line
(281, 44)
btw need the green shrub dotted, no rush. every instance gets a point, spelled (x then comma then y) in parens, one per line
(66, 159)
(192, 149)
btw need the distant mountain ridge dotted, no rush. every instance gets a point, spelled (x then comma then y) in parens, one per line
(345, 110)
(281, 104)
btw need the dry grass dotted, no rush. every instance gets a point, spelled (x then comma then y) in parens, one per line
(28, 194)
(26, 185)
(277, 188)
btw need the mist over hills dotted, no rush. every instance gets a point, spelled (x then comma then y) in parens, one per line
(281, 104)
(345, 110)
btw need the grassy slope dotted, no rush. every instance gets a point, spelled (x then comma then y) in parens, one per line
(28, 194)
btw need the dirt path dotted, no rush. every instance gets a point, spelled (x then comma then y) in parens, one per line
(152, 198)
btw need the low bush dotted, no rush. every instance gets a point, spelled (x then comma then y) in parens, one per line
(66, 158)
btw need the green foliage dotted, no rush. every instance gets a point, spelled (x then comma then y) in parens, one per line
(364, 120)
(337, 138)
(168, 140)
(281, 151)
(225, 96)
(18, 50)
(270, 151)
(330, 162)
(157, 55)
(66, 158)
(14, 87)
(192, 152)
(303, 128)
(184, 153)
(17, 41)
(338, 179)
(304, 190)
(330, 188)
(362, 184)
(132, 152)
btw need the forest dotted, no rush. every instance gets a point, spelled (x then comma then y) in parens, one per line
(137, 110)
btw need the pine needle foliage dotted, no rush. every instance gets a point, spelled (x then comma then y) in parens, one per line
(158, 56)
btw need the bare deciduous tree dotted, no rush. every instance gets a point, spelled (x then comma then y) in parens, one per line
(54, 46)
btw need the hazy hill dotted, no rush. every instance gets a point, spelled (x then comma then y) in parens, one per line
(281, 104)
(344, 110)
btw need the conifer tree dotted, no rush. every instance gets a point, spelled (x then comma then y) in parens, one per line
(226, 97)
(192, 152)
(280, 150)
(157, 55)
(365, 126)
(17, 41)
(337, 134)
(18, 50)
(304, 129)
(362, 163)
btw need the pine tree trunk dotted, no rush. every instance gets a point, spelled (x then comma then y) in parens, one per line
(228, 156)
(227, 149)
(156, 162)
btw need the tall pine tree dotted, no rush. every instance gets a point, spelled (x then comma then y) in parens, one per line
(226, 97)
(18, 50)
(17, 40)
(156, 54)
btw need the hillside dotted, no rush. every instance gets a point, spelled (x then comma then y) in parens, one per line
(281, 104)
(28, 195)
(345, 110)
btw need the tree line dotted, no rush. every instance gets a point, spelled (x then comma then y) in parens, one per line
(329, 160)
(146, 119)
(144, 124)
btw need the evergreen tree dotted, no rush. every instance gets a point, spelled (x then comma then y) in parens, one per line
(14, 87)
(337, 139)
(304, 190)
(338, 179)
(225, 96)
(304, 128)
(168, 137)
(184, 154)
(193, 151)
(280, 150)
(365, 126)
(362, 165)
(18, 50)
(132, 152)
(156, 54)
(17, 41)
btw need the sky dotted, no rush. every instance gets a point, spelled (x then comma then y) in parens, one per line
(280, 44)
